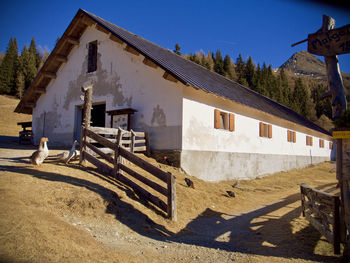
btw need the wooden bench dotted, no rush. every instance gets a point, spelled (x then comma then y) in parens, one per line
(26, 136)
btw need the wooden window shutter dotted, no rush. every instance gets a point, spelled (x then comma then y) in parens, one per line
(294, 137)
(232, 122)
(311, 141)
(270, 131)
(261, 129)
(288, 136)
(216, 119)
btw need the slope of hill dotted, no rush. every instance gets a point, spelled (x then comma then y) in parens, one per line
(304, 63)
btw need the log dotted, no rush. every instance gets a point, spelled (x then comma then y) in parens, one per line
(143, 193)
(101, 153)
(100, 139)
(104, 168)
(171, 198)
(144, 165)
(144, 180)
(103, 130)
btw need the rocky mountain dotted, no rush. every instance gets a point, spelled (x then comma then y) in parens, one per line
(305, 64)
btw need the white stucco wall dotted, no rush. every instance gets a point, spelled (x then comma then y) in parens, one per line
(216, 154)
(122, 80)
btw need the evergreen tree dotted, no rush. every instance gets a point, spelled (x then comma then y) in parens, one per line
(250, 72)
(20, 84)
(210, 60)
(177, 49)
(219, 63)
(34, 52)
(28, 66)
(300, 97)
(228, 68)
(194, 58)
(8, 68)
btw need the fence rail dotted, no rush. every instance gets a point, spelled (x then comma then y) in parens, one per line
(322, 210)
(123, 149)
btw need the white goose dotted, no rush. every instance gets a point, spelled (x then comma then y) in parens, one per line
(68, 155)
(40, 155)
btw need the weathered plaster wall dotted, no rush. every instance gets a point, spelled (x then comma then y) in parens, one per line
(122, 80)
(216, 154)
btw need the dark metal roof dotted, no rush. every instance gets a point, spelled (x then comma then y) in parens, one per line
(197, 76)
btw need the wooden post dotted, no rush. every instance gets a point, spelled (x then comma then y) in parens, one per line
(148, 151)
(86, 120)
(333, 73)
(336, 225)
(117, 158)
(172, 210)
(343, 176)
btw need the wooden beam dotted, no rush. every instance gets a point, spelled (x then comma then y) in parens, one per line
(50, 75)
(30, 104)
(116, 39)
(87, 21)
(73, 40)
(169, 77)
(132, 50)
(150, 63)
(40, 90)
(61, 58)
(102, 29)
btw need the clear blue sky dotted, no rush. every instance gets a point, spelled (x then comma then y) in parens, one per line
(263, 29)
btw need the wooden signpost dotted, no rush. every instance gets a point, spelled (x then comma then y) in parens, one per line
(330, 42)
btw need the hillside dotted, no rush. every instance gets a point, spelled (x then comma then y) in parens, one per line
(305, 64)
(70, 213)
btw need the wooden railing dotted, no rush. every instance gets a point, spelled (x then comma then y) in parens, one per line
(114, 165)
(322, 210)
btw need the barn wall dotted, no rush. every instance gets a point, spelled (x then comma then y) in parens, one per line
(217, 154)
(122, 80)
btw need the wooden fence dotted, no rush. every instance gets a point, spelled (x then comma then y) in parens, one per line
(123, 146)
(322, 210)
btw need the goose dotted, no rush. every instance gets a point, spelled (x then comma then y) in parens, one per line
(68, 155)
(40, 155)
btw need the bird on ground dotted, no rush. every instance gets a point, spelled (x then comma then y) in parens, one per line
(67, 156)
(230, 193)
(235, 184)
(189, 183)
(40, 155)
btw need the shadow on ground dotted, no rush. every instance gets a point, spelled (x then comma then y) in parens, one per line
(212, 229)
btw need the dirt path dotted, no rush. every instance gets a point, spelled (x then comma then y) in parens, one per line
(67, 213)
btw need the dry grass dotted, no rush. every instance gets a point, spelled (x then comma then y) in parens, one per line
(69, 213)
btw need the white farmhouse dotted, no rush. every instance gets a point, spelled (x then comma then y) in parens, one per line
(215, 128)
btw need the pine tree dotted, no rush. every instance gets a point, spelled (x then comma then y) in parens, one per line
(300, 97)
(28, 66)
(8, 68)
(177, 49)
(20, 84)
(34, 52)
(250, 72)
(228, 68)
(210, 60)
(219, 63)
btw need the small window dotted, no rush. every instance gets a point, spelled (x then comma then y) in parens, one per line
(308, 140)
(321, 143)
(224, 120)
(291, 136)
(265, 130)
(92, 57)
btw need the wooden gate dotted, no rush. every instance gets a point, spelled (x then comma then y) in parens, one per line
(122, 146)
(322, 210)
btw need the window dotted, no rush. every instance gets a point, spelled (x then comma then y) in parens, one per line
(224, 120)
(265, 130)
(92, 57)
(308, 140)
(321, 143)
(291, 136)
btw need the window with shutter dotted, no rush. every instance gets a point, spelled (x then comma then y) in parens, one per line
(224, 120)
(321, 143)
(92, 57)
(265, 130)
(308, 140)
(291, 136)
